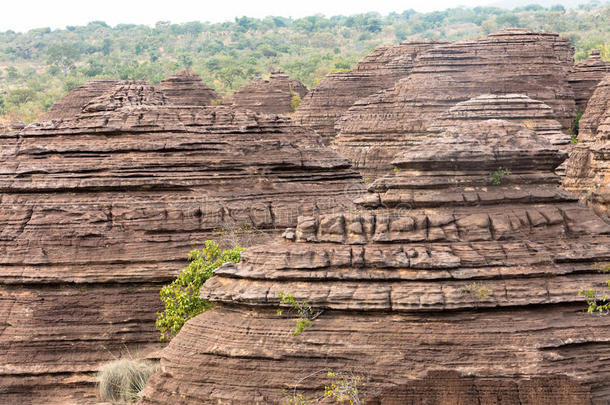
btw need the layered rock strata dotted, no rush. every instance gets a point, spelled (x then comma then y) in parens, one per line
(72, 104)
(100, 211)
(535, 64)
(338, 91)
(441, 288)
(585, 76)
(588, 169)
(187, 88)
(273, 96)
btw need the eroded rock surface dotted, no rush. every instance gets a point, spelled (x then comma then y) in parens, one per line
(100, 211)
(585, 76)
(535, 64)
(273, 96)
(338, 91)
(186, 88)
(588, 169)
(72, 104)
(438, 270)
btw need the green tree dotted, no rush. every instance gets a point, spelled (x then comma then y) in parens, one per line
(181, 297)
(64, 56)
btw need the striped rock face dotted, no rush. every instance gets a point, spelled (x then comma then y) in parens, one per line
(186, 88)
(512, 61)
(454, 281)
(585, 76)
(99, 211)
(338, 91)
(273, 96)
(588, 169)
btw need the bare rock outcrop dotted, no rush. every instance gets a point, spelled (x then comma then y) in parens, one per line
(273, 96)
(535, 64)
(585, 76)
(441, 287)
(186, 88)
(588, 169)
(338, 91)
(72, 104)
(100, 211)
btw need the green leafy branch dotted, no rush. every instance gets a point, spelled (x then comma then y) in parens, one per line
(181, 297)
(306, 314)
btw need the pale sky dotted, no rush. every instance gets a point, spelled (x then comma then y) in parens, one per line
(22, 15)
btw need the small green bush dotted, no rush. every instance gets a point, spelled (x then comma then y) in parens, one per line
(575, 128)
(303, 309)
(477, 290)
(498, 175)
(120, 381)
(181, 297)
(295, 100)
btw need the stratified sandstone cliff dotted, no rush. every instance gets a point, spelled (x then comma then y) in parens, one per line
(585, 75)
(99, 211)
(330, 98)
(273, 96)
(535, 64)
(588, 169)
(186, 88)
(441, 289)
(72, 104)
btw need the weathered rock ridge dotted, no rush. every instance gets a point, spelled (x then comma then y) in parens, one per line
(588, 169)
(187, 88)
(99, 211)
(441, 288)
(72, 104)
(585, 76)
(338, 91)
(273, 96)
(535, 64)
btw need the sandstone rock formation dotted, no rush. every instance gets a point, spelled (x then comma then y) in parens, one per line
(441, 287)
(101, 210)
(72, 104)
(338, 91)
(585, 75)
(588, 169)
(273, 96)
(535, 64)
(186, 88)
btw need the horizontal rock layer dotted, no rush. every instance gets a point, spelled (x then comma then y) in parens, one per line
(588, 169)
(273, 96)
(585, 76)
(72, 104)
(99, 211)
(534, 64)
(338, 91)
(441, 270)
(186, 88)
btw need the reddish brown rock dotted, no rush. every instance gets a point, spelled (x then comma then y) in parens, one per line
(588, 169)
(71, 105)
(585, 75)
(273, 96)
(330, 98)
(99, 211)
(186, 88)
(535, 64)
(438, 276)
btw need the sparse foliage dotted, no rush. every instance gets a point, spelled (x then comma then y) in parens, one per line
(497, 175)
(477, 290)
(181, 297)
(120, 381)
(306, 314)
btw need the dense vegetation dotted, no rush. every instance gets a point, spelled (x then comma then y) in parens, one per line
(40, 66)
(181, 297)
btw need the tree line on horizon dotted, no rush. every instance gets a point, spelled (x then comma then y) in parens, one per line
(40, 66)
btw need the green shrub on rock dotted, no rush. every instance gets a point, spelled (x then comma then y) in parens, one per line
(181, 297)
